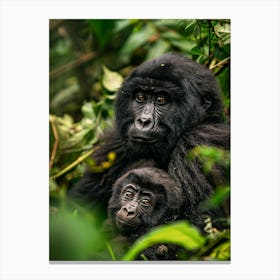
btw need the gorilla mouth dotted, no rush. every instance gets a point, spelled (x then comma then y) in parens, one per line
(124, 224)
(142, 139)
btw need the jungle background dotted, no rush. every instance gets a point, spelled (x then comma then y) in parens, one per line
(88, 60)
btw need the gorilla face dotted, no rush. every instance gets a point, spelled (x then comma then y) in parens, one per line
(143, 198)
(160, 100)
(136, 204)
(148, 110)
(151, 113)
(150, 127)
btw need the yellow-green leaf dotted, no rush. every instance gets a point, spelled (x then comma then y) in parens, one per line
(181, 233)
(111, 80)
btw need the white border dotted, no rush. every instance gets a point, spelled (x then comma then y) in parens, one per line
(24, 138)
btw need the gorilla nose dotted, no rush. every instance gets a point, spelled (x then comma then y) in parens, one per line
(129, 213)
(144, 123)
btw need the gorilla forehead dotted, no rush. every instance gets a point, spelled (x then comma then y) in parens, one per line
(152, 86)
(178, 74)
(170, 67)
(152, 178)
(150, 175)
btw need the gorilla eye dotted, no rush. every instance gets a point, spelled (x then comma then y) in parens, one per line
(146, 202)
(161, 100)
(140, 97)
(129, 194)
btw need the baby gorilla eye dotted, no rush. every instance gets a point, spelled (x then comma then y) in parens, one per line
(140, 97)
(146, 202)
(128, 194)
(161, 100)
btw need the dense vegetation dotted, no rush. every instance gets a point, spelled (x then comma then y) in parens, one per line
(88, 61)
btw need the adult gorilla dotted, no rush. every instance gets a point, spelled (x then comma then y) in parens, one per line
(165, 108)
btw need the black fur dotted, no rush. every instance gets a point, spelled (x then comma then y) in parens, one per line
(193, 116)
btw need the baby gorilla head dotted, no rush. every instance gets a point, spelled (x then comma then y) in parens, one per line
(144, 198)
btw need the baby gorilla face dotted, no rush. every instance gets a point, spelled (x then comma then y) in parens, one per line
(136, 204)
(144, 198)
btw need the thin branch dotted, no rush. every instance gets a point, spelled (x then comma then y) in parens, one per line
(73, 64)
(56, 141)
(73, 164)
(221, 63)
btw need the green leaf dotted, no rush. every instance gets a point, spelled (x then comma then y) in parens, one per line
(103, 30)
(196, 51)
(181, 233)
(136, 40)
(183, 44)
(74, 237)
(210, 155)
(222, 252)
(53, 186)
(189, 25)
(111, 80)
(216, 200)
(225, 28)
(196, 30)
(122, 24)
(171, 35)
(159, 48)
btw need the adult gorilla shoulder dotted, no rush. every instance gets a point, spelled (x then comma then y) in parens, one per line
(143, 198)
(165, 108)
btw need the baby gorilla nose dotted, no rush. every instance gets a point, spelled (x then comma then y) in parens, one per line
(130, 214)
(127, 212)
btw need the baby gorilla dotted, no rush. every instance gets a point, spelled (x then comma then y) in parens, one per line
(142, 199)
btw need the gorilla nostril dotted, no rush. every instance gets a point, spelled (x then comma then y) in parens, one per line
(144, 122)
(128, 213)
(131, 214)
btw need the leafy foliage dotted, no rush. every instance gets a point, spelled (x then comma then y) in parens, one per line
(74, 237)
(88, 61)
(209, 156)
(178, 233)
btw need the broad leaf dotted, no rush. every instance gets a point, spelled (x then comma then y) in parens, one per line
(111, 80)
(181, 233)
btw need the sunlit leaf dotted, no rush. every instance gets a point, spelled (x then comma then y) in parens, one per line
(122, 24)
(225, 28)
(189, 25)
(209, 156)
(181, 233)
(111, 80)
(222, 252)
(220, 195)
